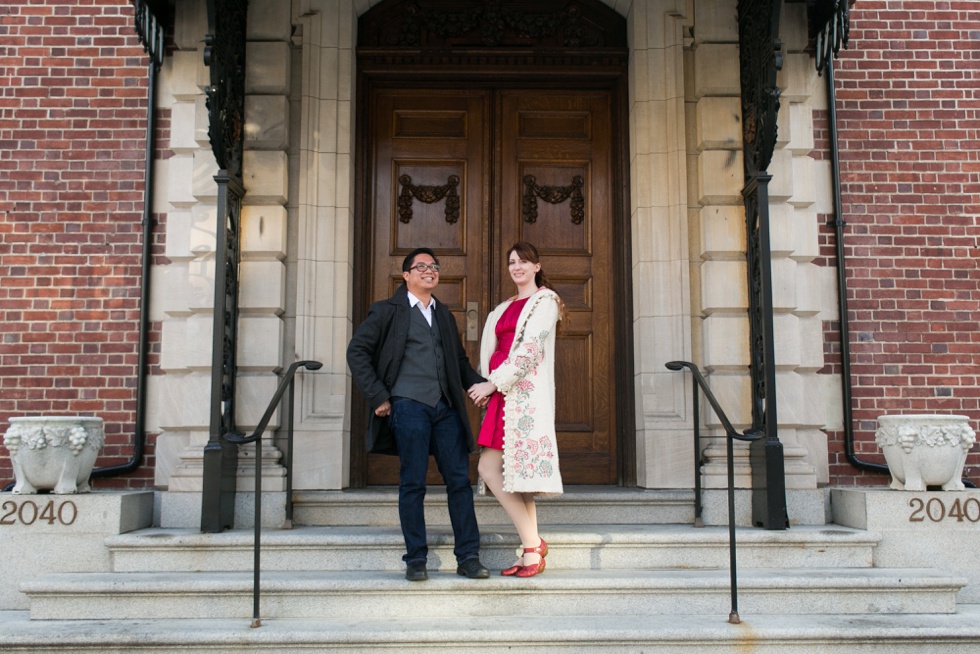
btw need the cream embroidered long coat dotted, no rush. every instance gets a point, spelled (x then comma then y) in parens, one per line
(527, 381)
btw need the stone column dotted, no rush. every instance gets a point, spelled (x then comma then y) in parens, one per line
(806, 299)
(321, 237)
(262, 289)
(660, 229)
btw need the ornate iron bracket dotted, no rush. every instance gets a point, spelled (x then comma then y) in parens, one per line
(761, 58)
(224, 54)
(553, 195)
(150, 31)
(830, 23)
(428, 195)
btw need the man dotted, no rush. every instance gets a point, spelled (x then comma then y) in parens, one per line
(409, 363)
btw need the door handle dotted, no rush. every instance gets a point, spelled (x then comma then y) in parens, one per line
(472, 321)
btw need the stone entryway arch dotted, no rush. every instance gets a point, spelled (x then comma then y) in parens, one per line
(655, 172)
(525, 108)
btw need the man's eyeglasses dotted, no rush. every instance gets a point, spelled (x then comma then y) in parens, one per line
(422, 267)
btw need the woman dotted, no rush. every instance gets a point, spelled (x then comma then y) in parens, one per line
(517, 355)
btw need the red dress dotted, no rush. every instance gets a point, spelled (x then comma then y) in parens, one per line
(492, 429)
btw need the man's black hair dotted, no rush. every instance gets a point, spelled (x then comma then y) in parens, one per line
(410, 257)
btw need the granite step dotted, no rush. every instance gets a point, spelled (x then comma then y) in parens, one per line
(378, 506)
(582, 547)
(957, 633)
(380, 594)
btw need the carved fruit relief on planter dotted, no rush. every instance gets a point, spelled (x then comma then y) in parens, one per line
(925, 449)
(54, 453)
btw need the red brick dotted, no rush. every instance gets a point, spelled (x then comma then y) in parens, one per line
(71, 178)
(908, 79)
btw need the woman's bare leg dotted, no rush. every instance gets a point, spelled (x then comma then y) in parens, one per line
(519, 506)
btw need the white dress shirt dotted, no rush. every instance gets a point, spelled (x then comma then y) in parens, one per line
(426, 310)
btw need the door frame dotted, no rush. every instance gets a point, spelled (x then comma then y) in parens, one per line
(579, 69)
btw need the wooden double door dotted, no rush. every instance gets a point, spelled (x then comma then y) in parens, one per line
(468, 172)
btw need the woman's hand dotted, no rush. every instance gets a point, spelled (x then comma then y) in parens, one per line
(480, 393)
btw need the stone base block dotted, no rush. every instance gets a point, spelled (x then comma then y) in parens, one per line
(183, 510)
(919, 529)
(805, 507)
(48, 533)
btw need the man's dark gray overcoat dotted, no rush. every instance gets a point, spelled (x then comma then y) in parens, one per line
(376, 351)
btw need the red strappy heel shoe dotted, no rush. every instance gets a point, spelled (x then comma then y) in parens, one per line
(512, 570)
(541, 550)
(534, 568)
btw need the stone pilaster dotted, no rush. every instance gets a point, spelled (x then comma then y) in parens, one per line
(321, 236)
(184, 288)
(659, 223)
(718, 241)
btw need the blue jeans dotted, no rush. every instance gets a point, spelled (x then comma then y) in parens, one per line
(420, 430)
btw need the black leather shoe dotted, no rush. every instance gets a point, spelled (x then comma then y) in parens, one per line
(416, 572)
(473, 569)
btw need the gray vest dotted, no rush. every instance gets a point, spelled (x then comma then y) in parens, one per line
(422, 373)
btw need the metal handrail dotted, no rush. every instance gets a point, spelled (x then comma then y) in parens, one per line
(285, 384)
(732, 435)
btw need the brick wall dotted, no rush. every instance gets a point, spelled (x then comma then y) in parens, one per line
(908, 113)
(73, 89)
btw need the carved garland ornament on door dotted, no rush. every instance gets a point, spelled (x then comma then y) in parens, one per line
(429, 195)
(553, 195)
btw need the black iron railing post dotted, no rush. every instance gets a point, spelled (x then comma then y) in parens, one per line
(257, 541)
(730, 437)
(698, 502)
(239, 439)
(732, 564)
(760, 59)
(290, 410)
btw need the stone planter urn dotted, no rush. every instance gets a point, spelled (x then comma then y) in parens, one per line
(925, 450)
(53, 452)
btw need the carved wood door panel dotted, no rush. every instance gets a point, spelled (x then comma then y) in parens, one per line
(431, 188)
(554, 191)
(469, 172)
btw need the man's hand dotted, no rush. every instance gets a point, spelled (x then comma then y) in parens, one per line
(383, 410)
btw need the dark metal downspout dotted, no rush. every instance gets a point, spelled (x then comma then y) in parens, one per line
(845, 332)
(831, 28)
(150, 31)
